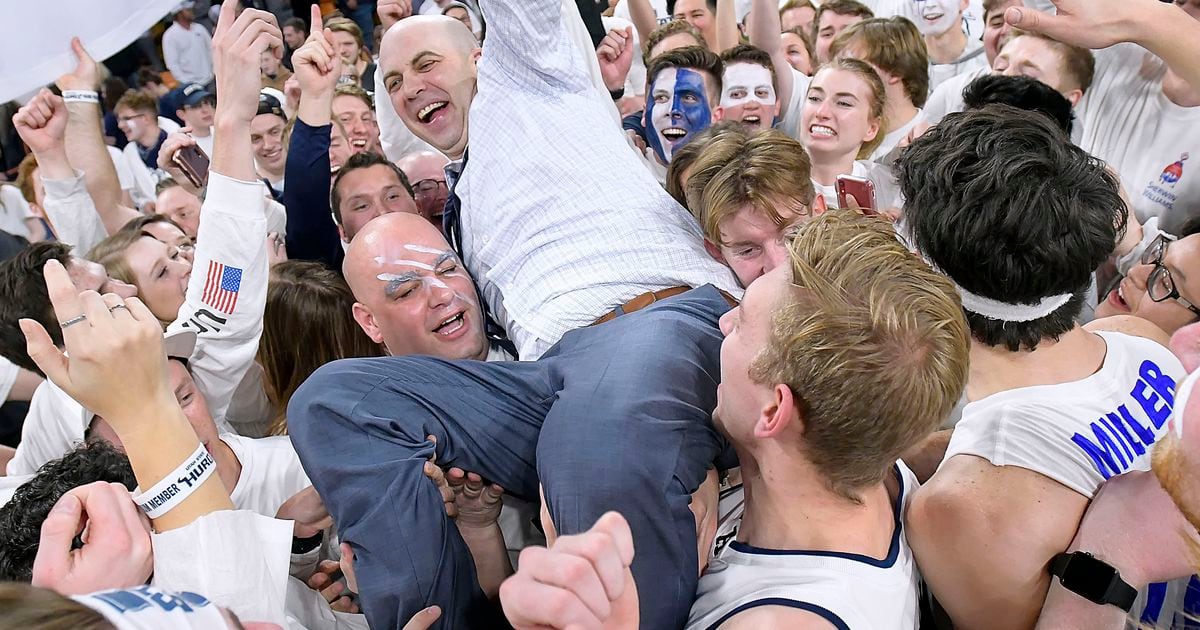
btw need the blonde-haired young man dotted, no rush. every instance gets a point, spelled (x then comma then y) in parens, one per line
(834, 364)
(746, 191)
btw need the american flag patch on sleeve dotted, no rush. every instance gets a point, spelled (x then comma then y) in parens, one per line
(221, 286)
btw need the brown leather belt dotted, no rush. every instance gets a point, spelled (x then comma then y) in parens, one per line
(646, 299)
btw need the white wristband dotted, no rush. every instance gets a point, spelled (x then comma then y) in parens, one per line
(175, 487)
(80, 96)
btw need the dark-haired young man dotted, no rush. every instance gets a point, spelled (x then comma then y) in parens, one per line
(681, 100)
(1019, 218)
(748, 88)
(367, 186)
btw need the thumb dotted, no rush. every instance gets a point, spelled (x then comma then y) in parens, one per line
(79, 50)
(1031, 20)
(58, 531)
(424, 619)
(49, 359)
(615, 525)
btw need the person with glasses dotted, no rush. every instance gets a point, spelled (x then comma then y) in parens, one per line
(137, 117)
(1159, 288)
(426, 171)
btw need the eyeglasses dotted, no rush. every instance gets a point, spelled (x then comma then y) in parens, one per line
(1160, 285)
(427, 187)
(129, 118)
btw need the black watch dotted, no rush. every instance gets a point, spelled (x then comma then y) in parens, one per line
(618, 93)
(1093, 579)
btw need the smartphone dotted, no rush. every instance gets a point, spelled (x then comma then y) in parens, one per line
(194, 164)
(863, 191)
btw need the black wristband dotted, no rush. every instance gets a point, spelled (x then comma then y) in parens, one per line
(305, 545)
(618, 93)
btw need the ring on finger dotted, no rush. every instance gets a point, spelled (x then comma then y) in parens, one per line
(71, 322)
(114, 308)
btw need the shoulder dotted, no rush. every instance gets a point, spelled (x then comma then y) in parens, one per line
(1130, 325)
(784, 615)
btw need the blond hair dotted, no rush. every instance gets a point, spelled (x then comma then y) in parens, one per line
(768, 171)
(896, 46)
(346, 25)
(878, 96)
(872, 343)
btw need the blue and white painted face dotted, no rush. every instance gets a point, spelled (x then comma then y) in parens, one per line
(677, 108)
(934, 17)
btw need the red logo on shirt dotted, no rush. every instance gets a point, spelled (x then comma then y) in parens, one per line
(1172, 174)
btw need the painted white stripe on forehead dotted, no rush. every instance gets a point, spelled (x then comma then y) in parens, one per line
(421, 249)
(750, 77)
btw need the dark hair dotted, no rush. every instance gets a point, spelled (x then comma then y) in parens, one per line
(693, 58)
(138, 224)
(674, 27)
(1004, 204)
(1023, 93)
(295, 23)
(113, 88)
(21, 518)
(745, 53)
(23, 294)
(308, 322)
(366, 159)
(146, 76)
(840, 7)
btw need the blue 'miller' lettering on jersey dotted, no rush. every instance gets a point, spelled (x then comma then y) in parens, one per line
(1118, 438)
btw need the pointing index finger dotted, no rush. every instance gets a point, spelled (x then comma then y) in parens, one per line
(65, 298)
(317, 24)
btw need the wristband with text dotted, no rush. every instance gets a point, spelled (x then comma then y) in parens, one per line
(80, 96)
(175, 487)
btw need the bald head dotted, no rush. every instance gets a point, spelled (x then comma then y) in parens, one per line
(412, 293)
(428, 66)
(426, 171)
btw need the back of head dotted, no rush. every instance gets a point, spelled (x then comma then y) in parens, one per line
(693, 58)
(871, 341)
(684, 157)
(893, 44)
(23, 295)
(1004, 204)
(26, 607)
(1022, 93)
(21, 518)
(768, 171)
(308, 322)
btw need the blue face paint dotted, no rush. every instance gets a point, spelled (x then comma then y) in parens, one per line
(677, 109)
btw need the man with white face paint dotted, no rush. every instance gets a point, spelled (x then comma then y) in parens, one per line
(951, 51)
(683, 85)
(748, 88)
(564, 254)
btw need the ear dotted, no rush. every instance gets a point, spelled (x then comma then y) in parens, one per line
(1073, 96)
(963, 6)
(179, 114)
(342, 234)
(818, 206)
(778, 108)
(366, 321)
(778, 415)
(718, 114)
(715, 251)
(872, 131)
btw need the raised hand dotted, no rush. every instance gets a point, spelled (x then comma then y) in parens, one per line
(615, 54)
(392, 11)
(317, 63)
(42, 122)
(85, 76)
(1086, 23)
(325, 581)
(116, 551)
(166, 158)
(582, 581)
(117, 367)
(478, 505)
(238, 44)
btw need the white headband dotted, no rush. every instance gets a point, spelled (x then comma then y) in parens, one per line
(1006, 312)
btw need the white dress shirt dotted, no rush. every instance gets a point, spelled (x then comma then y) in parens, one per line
(561, 222)
(188, 53)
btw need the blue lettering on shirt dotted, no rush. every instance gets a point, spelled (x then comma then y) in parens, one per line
(135, 599)
(1118, 438)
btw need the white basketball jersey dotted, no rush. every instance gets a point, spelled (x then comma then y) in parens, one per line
(848, 590)
(1084, 432)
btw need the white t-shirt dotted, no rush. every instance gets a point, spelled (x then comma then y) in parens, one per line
(789, 115)
(883, 153)
(14, 211)
(271, 473)
(1130, 124)
(947, 98)
(188, 53)
(972, 59)
(887, 190)
(1083, 432)
(124, 175)
(848, 590)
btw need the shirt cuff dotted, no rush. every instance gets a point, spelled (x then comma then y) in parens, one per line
(64, 188)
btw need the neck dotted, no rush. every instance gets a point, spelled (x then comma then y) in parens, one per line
(899, 110)
(788, 506)
(201, 132)
(948, 46)
(150, 139)
(184, 22)
(1076, 355)
(825, 169)
(229, 469)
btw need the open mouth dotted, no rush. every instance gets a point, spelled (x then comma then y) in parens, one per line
(752, 120)
(359, 145)
(821, 131)
(674, 133)
(1117, 298)
(933, 17)
(427, 112)
(451, 325)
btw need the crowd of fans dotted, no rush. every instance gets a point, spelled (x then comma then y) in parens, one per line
(646, 313)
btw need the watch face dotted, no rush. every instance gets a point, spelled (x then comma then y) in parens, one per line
(1088, 577)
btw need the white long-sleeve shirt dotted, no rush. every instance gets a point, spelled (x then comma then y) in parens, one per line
(73, 213)
(561, 222)
(188, 53)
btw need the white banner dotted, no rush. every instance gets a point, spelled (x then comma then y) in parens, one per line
(35, 36)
